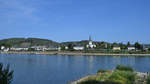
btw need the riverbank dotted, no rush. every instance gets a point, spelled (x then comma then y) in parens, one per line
(70, 53)
(121, 75)
(140, 75)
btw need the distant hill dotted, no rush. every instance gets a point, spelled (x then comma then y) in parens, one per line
(27, 42)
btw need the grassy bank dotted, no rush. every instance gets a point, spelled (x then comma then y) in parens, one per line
(121, 75)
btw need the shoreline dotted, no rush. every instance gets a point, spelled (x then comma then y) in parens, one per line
(139, 74)
(68, 53)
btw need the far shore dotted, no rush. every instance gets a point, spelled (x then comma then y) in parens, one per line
(69, 53)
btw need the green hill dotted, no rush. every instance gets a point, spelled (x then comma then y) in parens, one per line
(27, 42)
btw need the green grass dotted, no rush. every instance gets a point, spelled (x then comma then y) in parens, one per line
(121, 75)
(124, 68)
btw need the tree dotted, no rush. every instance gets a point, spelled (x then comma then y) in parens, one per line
(103, 45)
(115, 44)
(5, 75)
(149, 49)
(138, 46)
(123, 46)
(128, 44)
(31, 49)
(63, 47)
(109, 46)
(70, 46)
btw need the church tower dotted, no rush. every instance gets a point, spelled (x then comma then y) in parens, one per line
(90, 40)
(90, 45)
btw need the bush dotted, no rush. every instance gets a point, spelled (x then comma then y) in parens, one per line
(124, 68)
(148, 80)
(90, 82)
(98, 82)
(122, 77)
(5, 75)
(102, 71)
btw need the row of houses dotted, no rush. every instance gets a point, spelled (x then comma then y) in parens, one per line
(36, 48)
(130, 48)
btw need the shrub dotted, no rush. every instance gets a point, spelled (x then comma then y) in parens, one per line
(122, 77)
(5, 75)
(98, 82)
(89, 82)
(148, 80)
(124, 68)
(102, 71)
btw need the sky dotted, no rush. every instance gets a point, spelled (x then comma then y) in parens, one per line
(75, 20)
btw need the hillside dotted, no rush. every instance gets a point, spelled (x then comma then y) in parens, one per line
(27, 42)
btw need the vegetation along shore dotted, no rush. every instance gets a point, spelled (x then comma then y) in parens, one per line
(121, 75)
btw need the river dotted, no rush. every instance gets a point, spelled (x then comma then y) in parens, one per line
(52, 69)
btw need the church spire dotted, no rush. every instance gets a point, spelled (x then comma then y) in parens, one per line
(90, 39)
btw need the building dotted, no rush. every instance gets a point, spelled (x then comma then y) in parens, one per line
(78, 47)
(39, 48)
(2, 47)
(116, 48)
(66, 48)
(90, 44)
(146, 47)
(19, 48)
(45, 48)
(52, 48)
(131, 48)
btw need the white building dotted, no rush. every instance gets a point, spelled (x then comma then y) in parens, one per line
(45, 48)
(39, 48)
(116, 48)
(19, 48)
(90, 45)
(66, 48)
(131, 48)
(78, 47)
(52, 48)
(2, 47)
(6, 49)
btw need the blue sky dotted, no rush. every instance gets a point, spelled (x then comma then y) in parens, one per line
(73, 20)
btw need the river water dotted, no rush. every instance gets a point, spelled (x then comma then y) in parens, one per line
(50, 69)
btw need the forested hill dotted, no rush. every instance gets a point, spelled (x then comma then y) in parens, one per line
(27, 42)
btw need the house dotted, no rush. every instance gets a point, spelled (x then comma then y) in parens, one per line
(6, 49)
(146, 48)
(116, 48)
(45, 48)
(52, 48)
(90, 44)
(66, 48)
(131, 48)
(2, 47)
(19, 48)
(39, 48)
(78, 47)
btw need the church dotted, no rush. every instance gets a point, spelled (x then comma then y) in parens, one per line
(90, 44)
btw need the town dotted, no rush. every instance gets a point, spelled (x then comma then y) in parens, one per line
(86, 46)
